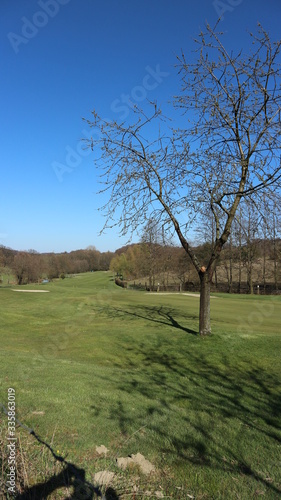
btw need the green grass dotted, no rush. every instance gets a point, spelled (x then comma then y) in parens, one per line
(94, 364)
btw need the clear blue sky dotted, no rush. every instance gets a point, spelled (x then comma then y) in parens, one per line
(62, 58)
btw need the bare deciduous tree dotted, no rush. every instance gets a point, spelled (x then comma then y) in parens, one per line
(229, 149)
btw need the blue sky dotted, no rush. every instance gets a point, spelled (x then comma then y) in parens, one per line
(60, 59)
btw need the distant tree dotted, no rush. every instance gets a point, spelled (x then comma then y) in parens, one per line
(182, 267)
(52, 266)
(151, 250)
(2, 258)
(104, 260)
(267, 232)
(229, 149)
(227, 262)
(92, 248)
(93, 256)
(237, 235)
(7, 256)
(135, 261)
(27, 267)
(80, 266)
(2, 268)
(19, 267)
(275, 232)
(250, 248)
(119, 265)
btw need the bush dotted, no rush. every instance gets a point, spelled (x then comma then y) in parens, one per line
(121, 283)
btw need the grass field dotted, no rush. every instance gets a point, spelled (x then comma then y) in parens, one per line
(93, 364)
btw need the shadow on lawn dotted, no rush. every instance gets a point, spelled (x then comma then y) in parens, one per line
(70, 476)
(223, 406)
(157, 314)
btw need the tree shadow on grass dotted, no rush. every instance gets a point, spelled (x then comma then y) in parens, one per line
(225, 408)
(156, 314)
(70, 477)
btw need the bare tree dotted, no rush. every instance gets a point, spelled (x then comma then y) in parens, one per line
(229, 149)
(275, 238)
(28, 267)
(151, 248)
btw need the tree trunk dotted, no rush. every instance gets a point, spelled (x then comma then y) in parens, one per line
(230, 267)
(216, 278)
(250, 279)
(275, 255)
(250, 276)
(240, 256)
(204, 314)
(264, 263)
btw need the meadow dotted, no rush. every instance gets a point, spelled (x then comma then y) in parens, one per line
(93, 364)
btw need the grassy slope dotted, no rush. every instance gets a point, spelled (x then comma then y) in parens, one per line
(125, 369)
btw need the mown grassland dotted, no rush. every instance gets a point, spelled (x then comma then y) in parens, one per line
(94, 364)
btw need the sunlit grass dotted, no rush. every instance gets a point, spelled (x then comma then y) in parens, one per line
(95, 364)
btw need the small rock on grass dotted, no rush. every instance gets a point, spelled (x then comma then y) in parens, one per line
(101, 450)
(159, 494)
(103, 477)
(145, 466)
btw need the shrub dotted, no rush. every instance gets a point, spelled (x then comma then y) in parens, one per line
(121, 283)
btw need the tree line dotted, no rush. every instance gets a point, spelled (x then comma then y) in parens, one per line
(30, 266)
(249, 262)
